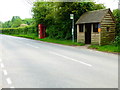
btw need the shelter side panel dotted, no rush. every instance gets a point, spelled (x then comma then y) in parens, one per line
(95, 38)
(107, 30)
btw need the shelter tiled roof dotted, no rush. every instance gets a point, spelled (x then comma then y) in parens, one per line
(95, 16)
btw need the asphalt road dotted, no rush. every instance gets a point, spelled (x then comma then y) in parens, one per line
(26, 63)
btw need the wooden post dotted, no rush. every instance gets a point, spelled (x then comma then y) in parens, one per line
(84, 31)
(77, 32)
(91, 28)
(77, 28)
(100, 35)
(84, 28)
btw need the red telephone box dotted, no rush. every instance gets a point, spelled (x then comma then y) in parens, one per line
(41, 31)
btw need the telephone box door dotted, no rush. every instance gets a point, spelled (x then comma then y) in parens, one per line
(41, 31)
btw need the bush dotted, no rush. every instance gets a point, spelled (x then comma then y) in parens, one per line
(117, 40)
(28, 30)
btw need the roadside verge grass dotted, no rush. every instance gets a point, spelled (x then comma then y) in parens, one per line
(106, 48)
(64, 42)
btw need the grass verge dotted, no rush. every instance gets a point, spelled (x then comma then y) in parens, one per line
(106, 48)
(64, 42)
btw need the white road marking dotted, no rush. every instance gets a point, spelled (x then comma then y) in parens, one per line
(12, 87)
(72, 59)
(9, 81)
(5, 72)
(0, 60)
(2, 65)
(32, 46)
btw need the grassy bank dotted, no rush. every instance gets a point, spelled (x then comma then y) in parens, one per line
(106, 48)
(64, 42)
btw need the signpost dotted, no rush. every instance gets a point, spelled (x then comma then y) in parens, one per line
(72, 17)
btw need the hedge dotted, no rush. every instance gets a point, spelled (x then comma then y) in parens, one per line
(28, 30)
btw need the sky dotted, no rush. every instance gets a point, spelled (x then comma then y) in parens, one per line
(10, 8)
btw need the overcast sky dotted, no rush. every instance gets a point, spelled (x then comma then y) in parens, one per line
(10, 8)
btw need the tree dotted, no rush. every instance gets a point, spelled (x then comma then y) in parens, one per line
(16, 23)
(15, 18)
(1, 24)
(6, 24)
(28, 21)
(116, 14)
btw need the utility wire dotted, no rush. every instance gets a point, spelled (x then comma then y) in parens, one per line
(29, 2)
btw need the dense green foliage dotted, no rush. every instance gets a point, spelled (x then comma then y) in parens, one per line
(117, 18)
(56, 16)
(1, 24)
(116, 14)
(16, 21)
(28, 30)
(28, 21)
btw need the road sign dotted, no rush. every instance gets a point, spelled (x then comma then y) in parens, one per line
(71, 16)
